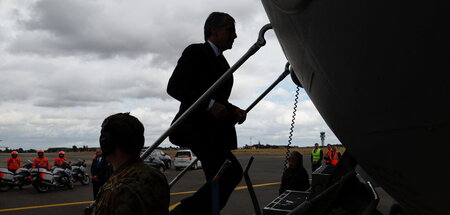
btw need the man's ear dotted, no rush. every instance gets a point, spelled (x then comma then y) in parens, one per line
(213, 32)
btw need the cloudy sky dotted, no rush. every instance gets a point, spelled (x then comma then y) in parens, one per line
(66, 65)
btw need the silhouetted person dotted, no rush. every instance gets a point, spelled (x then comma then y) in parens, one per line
(328, 155)
(295, 176)
(209, 132)
(100, 171)
(134, 187)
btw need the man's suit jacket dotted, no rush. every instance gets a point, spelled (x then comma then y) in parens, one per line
(198, 68)
(100, 169)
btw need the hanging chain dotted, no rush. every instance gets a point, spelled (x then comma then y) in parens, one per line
(291, 130)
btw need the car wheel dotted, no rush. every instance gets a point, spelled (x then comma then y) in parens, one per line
(168, 164)
(195, 166)
(161, 168)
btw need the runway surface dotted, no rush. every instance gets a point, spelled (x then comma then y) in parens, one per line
(265, 174)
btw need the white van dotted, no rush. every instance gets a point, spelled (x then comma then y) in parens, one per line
(183, 158)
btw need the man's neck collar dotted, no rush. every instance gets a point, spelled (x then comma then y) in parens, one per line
(126, 164)
(214, 47)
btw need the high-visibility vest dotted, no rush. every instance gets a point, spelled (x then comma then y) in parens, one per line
(13, 163)
(59, 161)
(328, 156)
(41, 163)
(316, 155)
(334, 158)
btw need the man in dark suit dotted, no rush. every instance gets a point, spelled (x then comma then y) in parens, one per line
(209, 132)
(100, 171)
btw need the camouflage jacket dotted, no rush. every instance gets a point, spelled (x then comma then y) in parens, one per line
(134, 188)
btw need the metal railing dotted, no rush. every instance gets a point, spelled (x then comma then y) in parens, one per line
(251, 191)
(280, 78)
(253, 49)
(174, 180)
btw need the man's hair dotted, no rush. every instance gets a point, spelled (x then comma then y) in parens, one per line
(217, 20)
(298, 157)
(124, 131)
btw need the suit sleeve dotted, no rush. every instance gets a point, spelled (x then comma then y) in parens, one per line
(93, 167)
(186, 84)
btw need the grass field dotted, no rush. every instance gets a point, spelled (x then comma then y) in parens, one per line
(278, 151)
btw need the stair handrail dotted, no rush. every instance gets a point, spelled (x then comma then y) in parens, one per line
(252, 50)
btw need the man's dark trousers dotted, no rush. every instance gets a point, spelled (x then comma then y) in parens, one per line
(212, 160)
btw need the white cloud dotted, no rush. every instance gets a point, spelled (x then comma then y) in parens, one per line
(66, 65)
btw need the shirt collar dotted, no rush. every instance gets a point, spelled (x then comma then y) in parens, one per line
(215, 49)
(127, 164)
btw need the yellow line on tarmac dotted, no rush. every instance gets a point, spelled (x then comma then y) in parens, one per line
(173, 206)
(181, 193)
(88, 202)
(237, 188)
(257, 185)
(45, 206)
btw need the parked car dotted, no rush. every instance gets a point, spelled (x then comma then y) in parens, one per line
(161, 155)
(156, 163)
(183, 158)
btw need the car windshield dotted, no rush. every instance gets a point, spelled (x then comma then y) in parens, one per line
(182, 154)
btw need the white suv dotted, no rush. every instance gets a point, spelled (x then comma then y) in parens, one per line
(183, 158)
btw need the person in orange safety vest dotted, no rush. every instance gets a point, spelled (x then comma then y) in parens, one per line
(335, 156)
(328, 155)
(41, 161)
(13, 163)
(60, 160)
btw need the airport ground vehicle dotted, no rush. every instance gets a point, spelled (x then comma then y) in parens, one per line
(183, 158)
(19, 178)
(79, 172)
(43, 179)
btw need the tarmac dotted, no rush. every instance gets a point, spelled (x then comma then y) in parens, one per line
(265, 174)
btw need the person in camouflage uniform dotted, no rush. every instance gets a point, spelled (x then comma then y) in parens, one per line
(134, 187)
